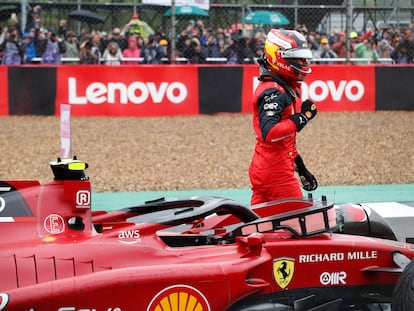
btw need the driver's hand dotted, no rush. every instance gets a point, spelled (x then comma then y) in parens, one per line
(309, 182)
(308, 108)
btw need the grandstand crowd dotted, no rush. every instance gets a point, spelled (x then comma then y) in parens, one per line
(197, 43)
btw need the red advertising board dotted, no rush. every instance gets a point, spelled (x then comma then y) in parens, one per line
(4, 91)
(128, 90)
(331, 87)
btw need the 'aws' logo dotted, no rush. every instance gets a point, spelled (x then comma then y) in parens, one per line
(129, 236)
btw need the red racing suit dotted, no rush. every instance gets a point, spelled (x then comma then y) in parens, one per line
(271, 170)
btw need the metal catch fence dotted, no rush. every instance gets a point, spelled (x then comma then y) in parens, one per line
(194, 34)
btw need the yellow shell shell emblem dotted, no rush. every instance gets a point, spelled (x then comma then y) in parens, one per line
(179, 298)
(283, 270)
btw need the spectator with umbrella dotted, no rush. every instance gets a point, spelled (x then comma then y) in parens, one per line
(263, 17)
(72, 46)
(137, 26)
(86, 16)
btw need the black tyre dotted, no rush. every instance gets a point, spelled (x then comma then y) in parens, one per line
(403, 295)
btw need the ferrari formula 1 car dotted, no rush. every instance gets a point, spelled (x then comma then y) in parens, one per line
(193, 254)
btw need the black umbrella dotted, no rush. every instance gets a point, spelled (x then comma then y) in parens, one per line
(86, 16)
(7, 10)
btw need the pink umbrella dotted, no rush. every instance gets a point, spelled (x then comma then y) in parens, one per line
(247, 29)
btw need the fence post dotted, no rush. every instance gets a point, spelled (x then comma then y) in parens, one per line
(173, 32)
(348, 25)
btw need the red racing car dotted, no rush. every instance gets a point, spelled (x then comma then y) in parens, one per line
(193, 254)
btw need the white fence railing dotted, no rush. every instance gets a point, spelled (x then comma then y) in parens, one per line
(223, 60)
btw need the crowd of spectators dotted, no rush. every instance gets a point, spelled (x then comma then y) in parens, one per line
(195, 44)
(379, 45)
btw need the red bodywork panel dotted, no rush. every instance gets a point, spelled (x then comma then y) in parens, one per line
(57, 255)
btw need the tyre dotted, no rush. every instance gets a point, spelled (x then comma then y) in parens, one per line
(403, 295)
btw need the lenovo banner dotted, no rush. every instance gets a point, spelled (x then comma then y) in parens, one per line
(169, 90)
(128, 90)
(331, 87)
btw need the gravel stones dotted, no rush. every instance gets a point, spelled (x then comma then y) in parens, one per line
(208, 152)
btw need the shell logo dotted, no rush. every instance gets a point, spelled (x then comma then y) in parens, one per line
(179, 298)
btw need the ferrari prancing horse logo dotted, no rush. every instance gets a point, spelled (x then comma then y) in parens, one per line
(283, 269)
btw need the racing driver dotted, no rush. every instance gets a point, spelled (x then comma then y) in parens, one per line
(278, 113)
